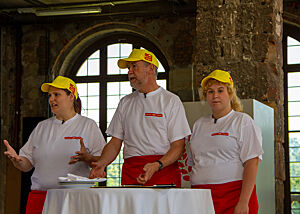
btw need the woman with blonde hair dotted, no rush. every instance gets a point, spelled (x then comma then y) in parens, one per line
(226, 147)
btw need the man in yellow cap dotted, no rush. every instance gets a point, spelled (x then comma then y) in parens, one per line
(152, 124)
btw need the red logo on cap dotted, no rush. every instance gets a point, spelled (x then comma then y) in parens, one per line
(148, 57)
(72, 88)
(230, 79)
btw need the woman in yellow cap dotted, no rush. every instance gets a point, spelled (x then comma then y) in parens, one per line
(226, 148)
(55, 140)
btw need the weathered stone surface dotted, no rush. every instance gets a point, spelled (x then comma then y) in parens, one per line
(244, 37)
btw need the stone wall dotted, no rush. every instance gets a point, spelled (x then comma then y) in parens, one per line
(245, 37)
(8, 99)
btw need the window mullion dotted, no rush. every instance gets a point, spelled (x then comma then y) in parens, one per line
(103, 90)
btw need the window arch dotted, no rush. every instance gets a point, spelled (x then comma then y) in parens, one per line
(291, 65)
(101, 84)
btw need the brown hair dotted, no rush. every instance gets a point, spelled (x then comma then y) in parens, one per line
(235, 100)
(76, 103)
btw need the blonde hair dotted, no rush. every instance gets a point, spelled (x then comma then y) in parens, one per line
(235, 100)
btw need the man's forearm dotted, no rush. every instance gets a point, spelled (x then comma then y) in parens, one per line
(110, 152)
(174, 153)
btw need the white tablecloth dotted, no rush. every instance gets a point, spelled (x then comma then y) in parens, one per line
(128, 201)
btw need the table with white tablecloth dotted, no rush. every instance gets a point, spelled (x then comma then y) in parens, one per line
(128, 201)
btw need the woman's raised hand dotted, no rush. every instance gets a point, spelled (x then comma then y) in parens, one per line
(11, 153)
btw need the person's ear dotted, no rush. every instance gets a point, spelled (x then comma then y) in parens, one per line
(72, 96)
(152, 69)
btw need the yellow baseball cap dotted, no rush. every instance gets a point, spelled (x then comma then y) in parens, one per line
(137, 55)
(63, 83)
(220, 75)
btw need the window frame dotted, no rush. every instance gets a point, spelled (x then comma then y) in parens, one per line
(294, 32)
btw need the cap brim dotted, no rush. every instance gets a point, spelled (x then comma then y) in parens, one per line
(45, 87)
(123, 63)
(203, 82)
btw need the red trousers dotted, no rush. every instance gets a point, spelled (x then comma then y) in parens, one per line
(133, 167)
(35, 202)
(226, 196)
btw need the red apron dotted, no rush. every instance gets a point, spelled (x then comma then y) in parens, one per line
(35, 202)
(133, 167)
(226, 196)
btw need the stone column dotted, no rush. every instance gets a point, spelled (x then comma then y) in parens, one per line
(244, 37)
(9, 176)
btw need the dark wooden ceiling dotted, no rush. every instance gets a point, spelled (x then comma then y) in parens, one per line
(20, 11)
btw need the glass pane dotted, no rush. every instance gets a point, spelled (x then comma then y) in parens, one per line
(82, 89)
(93, 67)
(295, 203)
(113, 88)
(93, 89)
(112, 101)
(125, 50)
(294, 108)
(293, 55)
(112, 66)
(110, 114)
(162, 83)
(294, 169)
(93, 114)
(295, 184)
(295, 155)
(160, 69)
(294, 94)
(125, 88)
(293, 79)
(84, 112)
(82, 70)
(114, 170)
(95, 55)
(83, 102)
(113, 50)
(294, 123)
(113, 182)
(294, 139)
(294, 211)
(93, 102)
(291, 41)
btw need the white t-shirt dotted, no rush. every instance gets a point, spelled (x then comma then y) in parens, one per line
(49, 152)
(148, 124)
(219, 148)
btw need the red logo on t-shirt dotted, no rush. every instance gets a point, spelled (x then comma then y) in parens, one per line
(70, 138)
(220, 133)
(153, 115)
(148, 57)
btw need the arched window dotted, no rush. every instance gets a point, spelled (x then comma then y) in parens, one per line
(101, 84)
(291, 47)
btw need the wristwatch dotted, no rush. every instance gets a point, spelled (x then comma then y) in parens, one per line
(160, 165)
